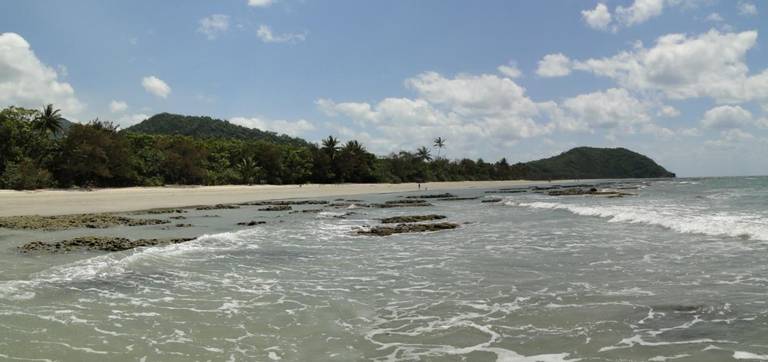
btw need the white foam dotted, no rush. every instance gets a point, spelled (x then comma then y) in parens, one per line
(749, 356)
(675, 218)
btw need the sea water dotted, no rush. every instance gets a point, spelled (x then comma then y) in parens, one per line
(677, 272)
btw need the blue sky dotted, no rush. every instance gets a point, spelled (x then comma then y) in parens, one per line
(683, 81)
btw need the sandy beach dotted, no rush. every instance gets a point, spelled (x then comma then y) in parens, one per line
(63, 202)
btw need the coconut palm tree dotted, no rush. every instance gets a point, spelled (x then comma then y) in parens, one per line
(49, 120)
(424, 154)
(440, 144)
(331, 146)
(249, 170)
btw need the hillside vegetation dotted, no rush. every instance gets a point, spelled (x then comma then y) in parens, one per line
(39, 149)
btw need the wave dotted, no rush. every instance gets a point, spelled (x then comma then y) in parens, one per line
(679, 219)
(107, 266)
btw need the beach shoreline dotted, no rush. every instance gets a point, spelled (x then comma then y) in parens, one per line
(65, 202)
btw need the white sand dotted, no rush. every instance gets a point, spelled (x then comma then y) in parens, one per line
(62, 202)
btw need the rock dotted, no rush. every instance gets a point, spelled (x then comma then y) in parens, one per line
(591, 191)
(411, 219)
(458, 198)
(402, 203)
(91, 221)
(95, 243)
(347, 205)
(161, 211)
(306, 211)
(507, 191)
(276, 208)
(251, 223)
(491, 200)
(218, 207)
(183, 225)
(178, 217)
(431, 196)
(407, 228)
(286, 202)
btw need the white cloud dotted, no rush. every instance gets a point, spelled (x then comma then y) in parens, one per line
(214, 25)
(156, 86)
(726, 117)
(25, 81)
(291, 128)
(715, 18)
(260, 3)
(117, 106)
(669, 112)
(511, 71)
(554, 65)
(131, 119)
(680, 66)
(747, 8)
(730, 138)
(598, 18)
(266, 35)
(613, 108)
(640, 11)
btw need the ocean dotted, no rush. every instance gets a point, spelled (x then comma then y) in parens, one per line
(676, 272)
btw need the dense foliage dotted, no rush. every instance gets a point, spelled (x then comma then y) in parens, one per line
(39, 149)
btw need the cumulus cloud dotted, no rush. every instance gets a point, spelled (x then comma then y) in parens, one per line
(640, 11)
(260, 3)
(25, 81)
(747, 8)
(214, 25)
(156, 86)
(726, 117)
(117, 106)
(613, 108)
(511, 71)
(681, 67)
(598, 18)
(291, 128)
(266, 35)
(554, 65)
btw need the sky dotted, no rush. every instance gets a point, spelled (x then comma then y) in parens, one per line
(682, 81)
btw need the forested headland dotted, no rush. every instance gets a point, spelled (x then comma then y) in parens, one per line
(41, 149)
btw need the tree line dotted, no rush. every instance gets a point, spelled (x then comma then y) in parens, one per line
(36, 152)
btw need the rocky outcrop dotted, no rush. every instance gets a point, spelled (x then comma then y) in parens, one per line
(590, 191)
(402, 203)
(284, 202)
(218, 207)
(431, 196)
(62, 222)
(161, 211)
(458, 198)
(411, 219)
(491, 200)
(251, 223)
(95, 243)
(276, 208)
(407, 228)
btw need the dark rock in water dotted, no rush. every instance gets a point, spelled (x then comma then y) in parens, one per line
(491, 200)
(276, 208)
(412, 201)
(507, 191)
(306, 211)
(91, 221)
(431, 196)
(161, 211)
(183, 225)
(390, 204)
(458, 198)
(95, 243)
(284, 202)
(178, 217)
(407, 228)
(251, 223)
(591, 191)
(411, 218)
(218, 207)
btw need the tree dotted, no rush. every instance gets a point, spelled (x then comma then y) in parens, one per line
(249, 170)
(331, 146)
(48, 120)
(424, 154)
(439, 142)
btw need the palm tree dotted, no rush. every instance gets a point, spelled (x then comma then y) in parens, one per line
(331, 146)
(249, 170)
(49, 120)
(354, 147)
(440, 144)
(424, 154)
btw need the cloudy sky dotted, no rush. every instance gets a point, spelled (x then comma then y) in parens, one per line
(683, 81)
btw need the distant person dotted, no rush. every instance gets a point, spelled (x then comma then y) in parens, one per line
(419, 186)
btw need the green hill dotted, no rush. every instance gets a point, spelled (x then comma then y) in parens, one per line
(207, 127)
(589, 162)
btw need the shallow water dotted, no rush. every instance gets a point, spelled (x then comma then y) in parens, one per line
(677, 272)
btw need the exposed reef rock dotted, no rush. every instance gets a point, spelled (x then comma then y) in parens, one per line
(161, 211)
(91, 221)
(491, 200)
(458, 198)
(284, 202)
(591, 191)
(276, 208)
(411, 219)
(218, 207)
(251, 223)
(431, 196)
(95, 243)
(407, 228)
